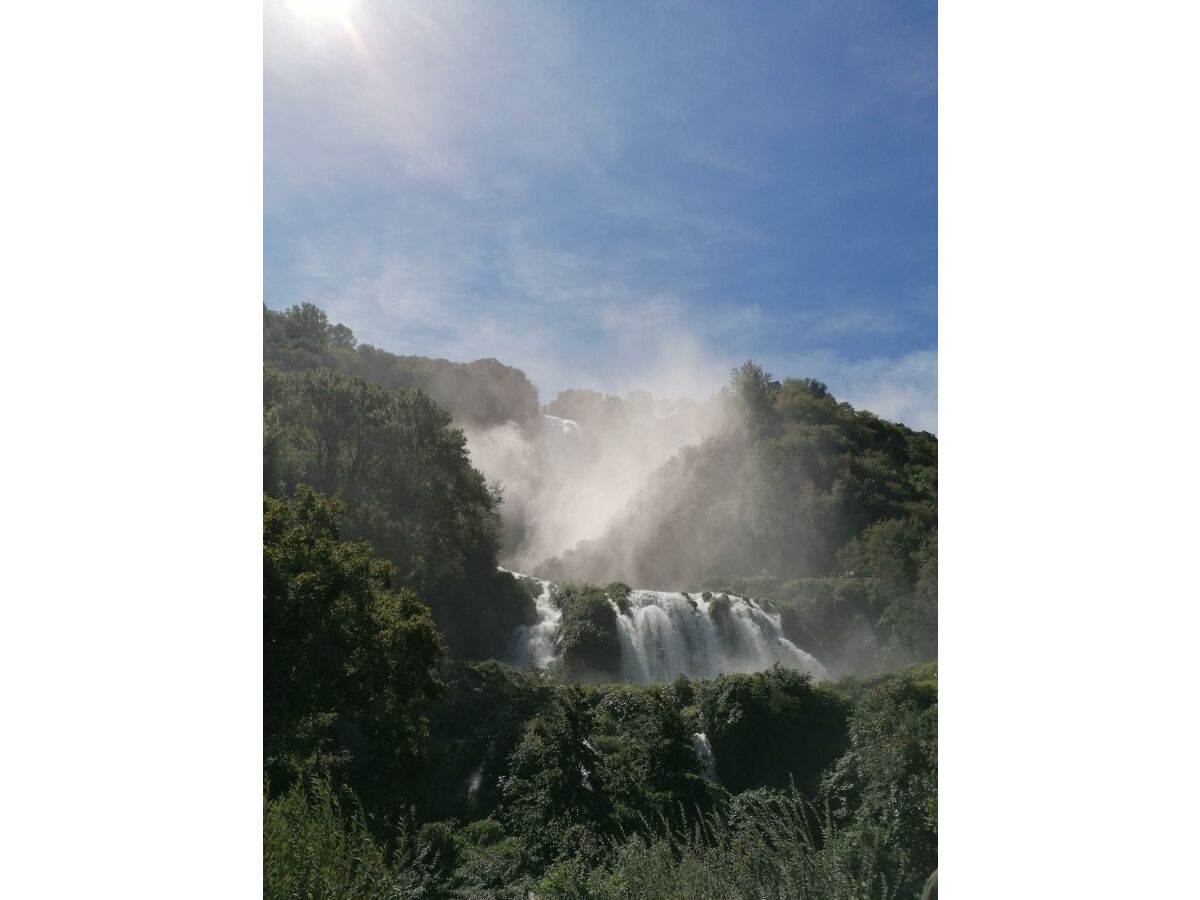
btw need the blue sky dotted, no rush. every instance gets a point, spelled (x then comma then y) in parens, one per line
(614, 195)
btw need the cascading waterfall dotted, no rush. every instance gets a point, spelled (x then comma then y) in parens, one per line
(663, 635)
(704, 753)
(534, 644)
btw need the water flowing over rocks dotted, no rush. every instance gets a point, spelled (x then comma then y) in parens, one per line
(663, 635)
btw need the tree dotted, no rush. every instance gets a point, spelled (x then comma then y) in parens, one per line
(307, 322)
(753, 391)
(555, 797)
(348, 666)
(406, 481)
(887, 780)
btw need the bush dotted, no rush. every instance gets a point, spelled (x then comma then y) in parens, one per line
(618, 592)
(474, 727)
(888, 777)
(587, 640)
(772, 729)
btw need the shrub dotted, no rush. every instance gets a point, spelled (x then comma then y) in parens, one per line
(587, 639)
(773, 728)
(618, 592)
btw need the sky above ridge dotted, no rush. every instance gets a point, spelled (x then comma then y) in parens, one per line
(614, 195)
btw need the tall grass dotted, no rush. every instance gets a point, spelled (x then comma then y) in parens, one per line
(766, 847)
(312, 850)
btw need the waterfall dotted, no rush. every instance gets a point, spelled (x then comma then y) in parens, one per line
(663, 635)
(475, 782)
(534, 644)
(705, 754)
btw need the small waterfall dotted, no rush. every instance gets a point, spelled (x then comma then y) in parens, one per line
(663, 635)
(534, 644)
(474, 782)
(705, 754)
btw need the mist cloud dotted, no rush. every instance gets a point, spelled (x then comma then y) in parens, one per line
(566, 480)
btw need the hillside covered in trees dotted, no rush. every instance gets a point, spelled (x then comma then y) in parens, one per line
(482, 392)
(828, 511)
(404, 758)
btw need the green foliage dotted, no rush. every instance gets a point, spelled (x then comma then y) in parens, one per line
(798, 487)
(555, 796)
(475, 725)
(618, 592)
(530, 587)
(584, 789)
(601, 795)
(492, 867)
(587, 640)
(483, 392)
(311, 849)
(650, 767)
(764, 845)
(315, 847)
(751, 394)
(348, 665)
(407, 486)
(889, 775)
(772, 729)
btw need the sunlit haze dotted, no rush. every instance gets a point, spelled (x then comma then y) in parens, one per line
(614, 197)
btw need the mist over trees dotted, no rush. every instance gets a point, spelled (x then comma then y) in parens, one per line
(828, 510)
(772, 489)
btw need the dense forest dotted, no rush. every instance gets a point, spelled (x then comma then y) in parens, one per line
(404, 758)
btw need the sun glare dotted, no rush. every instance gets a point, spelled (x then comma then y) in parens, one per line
(321, 10)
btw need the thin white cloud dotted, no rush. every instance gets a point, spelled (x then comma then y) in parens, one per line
(450, 92)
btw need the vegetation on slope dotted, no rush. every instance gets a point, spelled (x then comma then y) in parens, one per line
(478, 780)
(483, 392)
(406, 485)
(349, 667)
(602, 795)
(829, 511)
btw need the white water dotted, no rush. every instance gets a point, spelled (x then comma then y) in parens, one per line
(534, 644)
(664, 635)
(566, 426)
(704, 751)
(475, 781)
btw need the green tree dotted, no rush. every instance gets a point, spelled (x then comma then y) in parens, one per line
(407, 485)
(887, 780)
(753, 394)
(772, 729)
(555, 797)
(349, 667)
